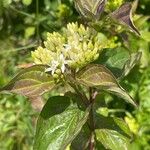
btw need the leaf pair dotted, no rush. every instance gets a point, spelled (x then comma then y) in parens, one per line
(33, 81)
(92, 9)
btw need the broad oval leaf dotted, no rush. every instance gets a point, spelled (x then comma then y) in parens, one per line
(114, 59)
(112, 139)
(100, 77)
(123, 15)
(90, 8)
(31, 82)
(59, 123)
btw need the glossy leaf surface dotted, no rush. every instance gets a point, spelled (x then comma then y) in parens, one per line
(59, 123)
(114, 59)
(111, 139)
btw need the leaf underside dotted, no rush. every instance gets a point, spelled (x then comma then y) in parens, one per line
(123, 15)
(90, 9)
(31, 82)
(100, 77)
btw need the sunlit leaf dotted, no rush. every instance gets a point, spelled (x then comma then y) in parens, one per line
(26, 2)
(31, 82)
(30, 31)
(101, 78)
(59, 123)
(112, 139)
(123, 126)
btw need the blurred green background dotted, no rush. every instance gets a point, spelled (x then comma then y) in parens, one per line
(23, 26)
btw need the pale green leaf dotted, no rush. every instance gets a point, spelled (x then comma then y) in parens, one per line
(112, 139)
(29, 32)
(27, 2)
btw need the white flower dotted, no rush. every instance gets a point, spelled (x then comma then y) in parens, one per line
(53, 67)
(59, 63)
(63, 62)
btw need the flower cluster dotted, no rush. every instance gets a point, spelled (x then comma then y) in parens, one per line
(75, 48)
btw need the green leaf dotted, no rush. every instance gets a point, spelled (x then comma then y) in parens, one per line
(90, 9)
(114, 59)
(111, 123)
(82, 139)
(112, 139)
(31, 82)
(59, 123)
(123, 126)
(100, 77)
(6, 3)
(145, 35)
(29, 31)
(27, 2)
(134, 59)
(123, 15)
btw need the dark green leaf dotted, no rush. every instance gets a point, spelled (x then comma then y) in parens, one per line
(112, 123)
(31, 82)
(82, 139)
(101, 78)
(59, 123)
(112, 139)
(114, 59)
(123, 15)
(134, 59)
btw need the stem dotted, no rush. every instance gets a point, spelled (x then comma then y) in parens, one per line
(37, 24)
(83, 96)
(20, 48)
(21, 12)
(91, 119)
(91, 144)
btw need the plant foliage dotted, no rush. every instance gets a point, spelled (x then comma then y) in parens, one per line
(91, 62)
